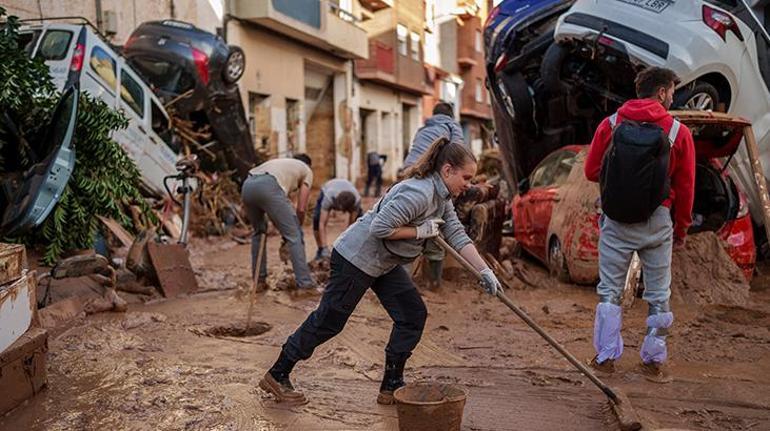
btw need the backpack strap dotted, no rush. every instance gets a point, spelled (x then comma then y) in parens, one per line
(673, 132)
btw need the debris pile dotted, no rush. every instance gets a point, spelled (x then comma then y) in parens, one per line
(703, 273)
(283, 278)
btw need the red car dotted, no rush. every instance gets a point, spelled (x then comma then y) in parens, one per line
(556, 213)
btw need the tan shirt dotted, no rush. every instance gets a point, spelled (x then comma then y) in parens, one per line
(289, 173)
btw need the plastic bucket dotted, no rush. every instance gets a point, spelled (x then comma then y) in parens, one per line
(430, 407)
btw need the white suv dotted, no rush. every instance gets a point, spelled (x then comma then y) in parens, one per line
(721, 57)
(75, 51)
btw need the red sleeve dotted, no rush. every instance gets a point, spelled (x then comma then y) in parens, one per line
(683, 183)
(602, 136)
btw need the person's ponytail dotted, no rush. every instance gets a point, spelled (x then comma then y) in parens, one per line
(440, 152)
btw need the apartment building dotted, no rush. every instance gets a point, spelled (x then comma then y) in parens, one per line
(116, 19)
(391, 81)
(298, 82)
(456, 58)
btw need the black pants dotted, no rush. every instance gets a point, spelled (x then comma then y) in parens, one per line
(373, 174)
(344, 290)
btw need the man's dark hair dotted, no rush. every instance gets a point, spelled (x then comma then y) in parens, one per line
(345, 201)
(650, 80)
(305, 158)
(444, 108)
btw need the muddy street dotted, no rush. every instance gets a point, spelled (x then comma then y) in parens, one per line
(185, 364)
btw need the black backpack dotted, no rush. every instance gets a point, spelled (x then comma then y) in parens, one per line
(634, 178)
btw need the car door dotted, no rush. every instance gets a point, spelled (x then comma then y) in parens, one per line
(162, 149)
(531, 206)
(32, 198)
(545, 196)
(133, 104)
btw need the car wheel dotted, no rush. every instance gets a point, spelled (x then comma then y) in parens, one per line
(698, 96)
(550, 68)
(235, 65)
(557, 263)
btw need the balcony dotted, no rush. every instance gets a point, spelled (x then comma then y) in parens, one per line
(375, 5)
(385, 67)
(315, 22)
(381, 64)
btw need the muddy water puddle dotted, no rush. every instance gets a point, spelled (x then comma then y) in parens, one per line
(238, 330)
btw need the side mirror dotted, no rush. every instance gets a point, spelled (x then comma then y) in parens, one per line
(523, 186)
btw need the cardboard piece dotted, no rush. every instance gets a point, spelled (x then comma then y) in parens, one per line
(173, 267)
(23, 369)
(17, 308)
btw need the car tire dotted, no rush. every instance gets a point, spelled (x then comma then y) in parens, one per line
(557, 263)
(235, 65)
(699, 96)
(550, 68)
(516, 98)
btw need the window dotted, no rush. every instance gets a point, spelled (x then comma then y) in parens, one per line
(477, 43)
(553, 170)
(415, 46)
(165, 75)
(104, 65)
(28, 39)
(402, 34)
(131, 93)
(479, 91)
(55, 45)
(306, 11)
(563, 168)
(160, 124)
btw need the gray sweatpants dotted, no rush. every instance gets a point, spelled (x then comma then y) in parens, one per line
(652, 240)
(262, 196)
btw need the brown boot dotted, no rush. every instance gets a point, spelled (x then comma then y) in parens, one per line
(301, 293)
(656, 372)
(607, 367)
(283, 390)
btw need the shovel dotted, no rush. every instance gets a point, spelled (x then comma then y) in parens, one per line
(627, 416)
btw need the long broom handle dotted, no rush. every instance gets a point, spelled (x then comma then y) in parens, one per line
(531, 323)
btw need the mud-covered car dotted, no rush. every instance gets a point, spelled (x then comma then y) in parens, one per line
(557, 209)
(199, 72)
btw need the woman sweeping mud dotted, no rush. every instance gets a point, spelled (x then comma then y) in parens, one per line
(370, 254)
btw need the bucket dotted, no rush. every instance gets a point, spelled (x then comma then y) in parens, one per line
(429, 407)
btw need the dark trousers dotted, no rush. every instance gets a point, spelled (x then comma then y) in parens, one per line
(373, 174)
(344, 290)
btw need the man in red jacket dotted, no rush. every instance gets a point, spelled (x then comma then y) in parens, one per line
(653, 238)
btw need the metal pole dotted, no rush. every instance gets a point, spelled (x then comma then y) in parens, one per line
(186, 208)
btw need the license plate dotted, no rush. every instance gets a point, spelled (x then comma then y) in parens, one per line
(656, 6)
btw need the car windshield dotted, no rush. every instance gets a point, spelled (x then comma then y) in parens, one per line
(166, 76)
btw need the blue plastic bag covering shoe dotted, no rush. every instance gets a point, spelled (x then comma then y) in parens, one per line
(607, 339)
(654, 345)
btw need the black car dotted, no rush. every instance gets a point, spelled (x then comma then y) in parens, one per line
(198, 72)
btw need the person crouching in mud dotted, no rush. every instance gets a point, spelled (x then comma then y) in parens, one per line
(370, 254)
